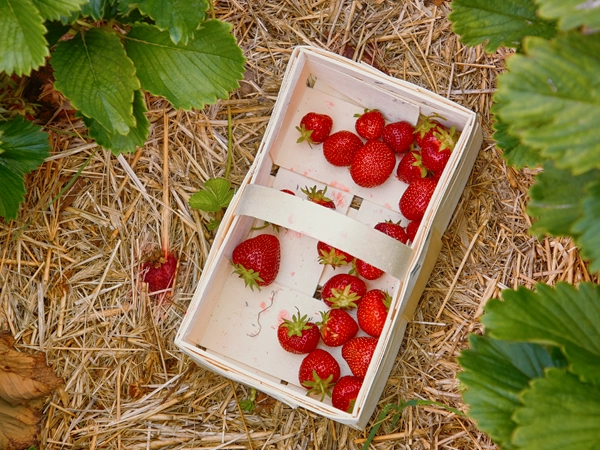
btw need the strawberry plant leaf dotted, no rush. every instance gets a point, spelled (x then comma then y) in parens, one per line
(99, 9)
(217, 194)
(55, 9)
(180, 17)
(514, 152)
(22, 43)
(118, 143)
(498, 24)
(571, 13)
(588, 228)
(94, 73)
(207, 68)
(563, 316)
(23, 147)
(559, 412)
(550, 99)
(556, 200)
(494, 373)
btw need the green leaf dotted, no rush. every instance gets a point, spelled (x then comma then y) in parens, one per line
(560, 412)
(494, 373)
(118, 143)
(180, 17)
(588, 228)
(499, 23)
(94, 73)
(217, 194)
(188, 76)
(55, 9)
(556, 200)
(571, 13)
(564, 316)
(23, 147)
(99, 9)
(22, 43)
(550, 98)
(514, 152)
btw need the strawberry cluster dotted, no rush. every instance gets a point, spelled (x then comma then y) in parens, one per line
(372, 150)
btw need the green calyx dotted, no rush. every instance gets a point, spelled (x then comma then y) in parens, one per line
(305, 135)
(333, 258)
(344, 298)
(447, 139)
(250, 277)
(319, 387)
(316, 195)
(297, 325)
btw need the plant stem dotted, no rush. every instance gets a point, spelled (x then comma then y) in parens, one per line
(165, 179)
(229, 143)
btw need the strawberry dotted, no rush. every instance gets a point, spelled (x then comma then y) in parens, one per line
(314, 128)
(332, 256)
(372, 311)
(411, 167)
(416, 197)
(426, 127)
(345, 392)
(256, 260)
(159, 271)
(436, 149)
(400, 136)
(370, 124)
(372, 164)
(358, 352)
(287, 191)
(412, 228)
(393, 229)
(318, 196)
(343, 291)
(340, 147)
(298, 335)
(318, 371)
(337, 327)
(366, 270)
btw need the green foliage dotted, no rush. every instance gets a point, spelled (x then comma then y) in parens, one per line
(214, 198)
(571, 13)
(106, 53)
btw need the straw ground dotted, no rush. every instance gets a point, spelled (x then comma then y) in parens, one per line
(69, 269)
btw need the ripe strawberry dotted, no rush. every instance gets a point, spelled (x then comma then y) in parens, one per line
(332, 256)
(426, 127)
(416, 197)
(345, 392)
(343, 291)
(437, 148)
(372, 164)
(372, 311)
(358, 352)
(400, 136)
(337, 327)
(412, 228)
(159, 271)
(366, 270)
(256, 260)
(318, 196)
(287, 191)
(314, 128)
(393, 229)
(340, 147)
(298, 335)
(370, 124)
(318, 371)
(411, 167)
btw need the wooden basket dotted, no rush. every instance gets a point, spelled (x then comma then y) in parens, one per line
(232, 330)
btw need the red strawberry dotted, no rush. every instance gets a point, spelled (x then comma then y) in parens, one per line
(372, 164)
(437, 148)
(426, 127)
(343, 291)
(287, 191)
(366, 270)
(159, 271)
(332, 256)
(412, 228)
(372, 311)
(318, 196)
(298, 335)
(337, 327)
(256, 260)
(400, 136)
(358, 352)
(340, 147)
(370, 124)
(318, 371)
(345, 392)
(314, 128)
(393, 229)
(411, 167)
(416, 197)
